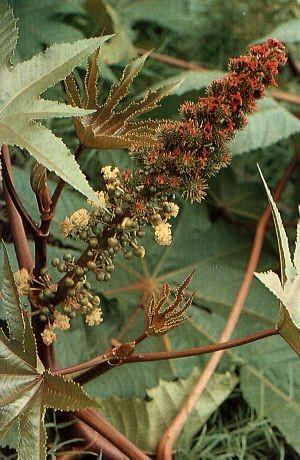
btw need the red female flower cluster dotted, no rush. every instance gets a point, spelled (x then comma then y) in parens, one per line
(188, 152)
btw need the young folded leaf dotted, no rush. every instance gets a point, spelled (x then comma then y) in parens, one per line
(108, 128)
(26, 388)
(287, 290)
(20, 103)
(160, 319)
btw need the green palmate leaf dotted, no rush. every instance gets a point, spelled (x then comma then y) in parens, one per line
(162, 404)
(44, 23)
(266, 395)
(26, 388)
(270, 124)
(288, 32)
(20, 88)
(181, 16)
(109, 128)
(287, 290)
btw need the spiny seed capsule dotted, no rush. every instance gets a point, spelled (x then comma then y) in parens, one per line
(93, 242)
(91, 265)
(69, 282)
(43, 318)
(128, 255)
(112, 242)
(55, 262)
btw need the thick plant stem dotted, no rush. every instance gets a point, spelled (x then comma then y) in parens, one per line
(107, 357)
(171, 434)
(93, 441)
(96, 421)
(16, 224)
(23, 255)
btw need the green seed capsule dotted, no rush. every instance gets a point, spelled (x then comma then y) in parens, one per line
(107, 277)
(97, 231)
(84, 301)
(100, 276)
(67, 257)
(44, 270)
(118, 210)
(87, 286)
(91, 265)
(55, 262)
(127, 197)
(69, 282)
(47, 293)
(112, 242)
(71, 292)
(45, 310)
(72, 314)
(96, 300)
(128, 255)
(43, 318)
(111, 251)
(110, 268)
(79, 271)
(139, 251)
(152, 189)
(140, 233)
(41, 296)
(106, 219)
(61, 268)
(93, 242)
(83, 235)
(90, 253)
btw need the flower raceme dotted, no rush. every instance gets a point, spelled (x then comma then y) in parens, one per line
(185, 154)
(191, 150)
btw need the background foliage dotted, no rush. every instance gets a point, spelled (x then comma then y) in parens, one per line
(214, 237)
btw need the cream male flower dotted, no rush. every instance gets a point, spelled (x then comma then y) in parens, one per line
(110, 174)
(101, 201)
(48, 335)
(61, 321)
(163, 234)
(22, 279)
(94, 317)
(77, 221)
(172, 209)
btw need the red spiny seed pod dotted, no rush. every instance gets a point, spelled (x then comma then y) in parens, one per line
(191, 150)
